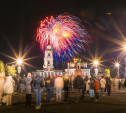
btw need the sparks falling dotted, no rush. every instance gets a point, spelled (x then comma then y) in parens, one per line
(65, 33)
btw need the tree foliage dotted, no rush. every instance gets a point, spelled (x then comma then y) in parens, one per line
(2, 68)
(10, 69)
(106, 72)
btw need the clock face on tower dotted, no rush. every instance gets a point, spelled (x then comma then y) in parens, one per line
(48, 47)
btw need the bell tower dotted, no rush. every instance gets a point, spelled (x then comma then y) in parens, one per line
(48, 58)
(78, 70)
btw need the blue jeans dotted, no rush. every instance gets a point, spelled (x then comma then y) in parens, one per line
(49, 93)
(102, 91)
(22, 87)
(58, 93)
(91, 93)
(38, 94)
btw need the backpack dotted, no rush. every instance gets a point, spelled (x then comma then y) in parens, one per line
(38, 81)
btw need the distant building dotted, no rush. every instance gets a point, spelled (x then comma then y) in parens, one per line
(48, 67)
(78, 70)
(71, 70)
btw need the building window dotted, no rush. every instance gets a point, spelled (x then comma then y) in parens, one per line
(49, 54)
(48, 62)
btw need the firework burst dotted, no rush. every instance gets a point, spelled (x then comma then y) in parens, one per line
(65, 33)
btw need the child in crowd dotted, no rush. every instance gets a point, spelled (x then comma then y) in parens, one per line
(91, 89)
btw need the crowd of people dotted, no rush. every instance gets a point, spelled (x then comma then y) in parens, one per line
(59, 85)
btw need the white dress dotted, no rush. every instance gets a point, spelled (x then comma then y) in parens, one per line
(8, 87)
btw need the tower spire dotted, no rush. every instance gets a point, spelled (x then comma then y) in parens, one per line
(49, 42)
(48, 58)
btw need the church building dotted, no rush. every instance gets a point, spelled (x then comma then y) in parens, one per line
(77, 67)
(74, 68)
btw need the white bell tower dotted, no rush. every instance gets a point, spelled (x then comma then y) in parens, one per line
(48, 58)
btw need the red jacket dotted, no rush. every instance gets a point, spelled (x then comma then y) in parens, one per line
(96, 86)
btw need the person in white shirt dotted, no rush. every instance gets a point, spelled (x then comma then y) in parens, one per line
(103, 85)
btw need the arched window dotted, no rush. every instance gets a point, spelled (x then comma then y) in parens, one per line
(48, 62)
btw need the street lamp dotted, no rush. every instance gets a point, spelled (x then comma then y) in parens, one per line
(19, 62)
(96, 67)
(117, 65)
(125, 47)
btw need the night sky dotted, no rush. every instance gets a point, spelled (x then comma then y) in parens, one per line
(19, 20)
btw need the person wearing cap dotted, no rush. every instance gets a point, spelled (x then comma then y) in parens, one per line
(58, 84)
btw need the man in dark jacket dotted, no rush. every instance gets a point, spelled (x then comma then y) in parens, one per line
(108, 85)
(78, 84)
(37, 86)
(49, 85)
(83, 88)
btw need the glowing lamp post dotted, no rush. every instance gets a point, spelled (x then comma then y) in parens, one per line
(125, 47)
(96, 67)
(19, 62)
(117, 66)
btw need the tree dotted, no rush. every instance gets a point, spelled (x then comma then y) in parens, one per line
(2, 68)
(106, 72)
(10, 69)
